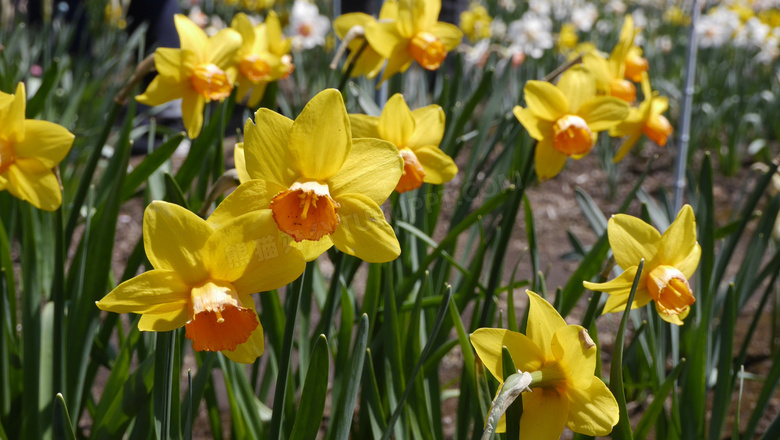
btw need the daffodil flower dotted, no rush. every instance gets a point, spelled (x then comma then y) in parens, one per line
(623, 62)
(203, 70)
(417, 35)
(561, 360)
(204, 277)
(367, 62)
(323, 187)
(475, 22)
(565, 119)
(647, 119)
(264, 56)
(417, 135)
(29, 150)
(670, 261)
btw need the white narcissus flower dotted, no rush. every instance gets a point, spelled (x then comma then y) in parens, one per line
(307, 26)
(752, 34)
(532, 34)
(716, 27)
(584, 16)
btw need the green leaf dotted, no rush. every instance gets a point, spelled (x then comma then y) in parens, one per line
(163, 378)
(345, 408)
(515, 410)
(36, 103)
(149, 165)
(622, 431)
(313, 394)
(63, 428)
(656, 407)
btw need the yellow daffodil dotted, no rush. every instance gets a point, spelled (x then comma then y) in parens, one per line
(203, 70)
(204, 277)
(670, 261)
(367, 61)
(623, 62)
(561, 360)
(29, 150)
(565, 119)
(323, 187)
(647, 119)
(264, 56)
(676, 16)
(417, 35)
(567, 38)
(417, 135)
(475, 22)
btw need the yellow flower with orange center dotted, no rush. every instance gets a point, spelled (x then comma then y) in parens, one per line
(203, 278)
(561, 360)
(670, 261)
(323, 187)
(647, 119)
(203, 70)
(416, 35)
(417, 135)
(624, 62)
(263, 56)
(29, 150)
(566, 118)
(475, 22)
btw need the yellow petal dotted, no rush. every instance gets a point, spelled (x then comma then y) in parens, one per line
(372, 169)
(273, 32)
(147, 291)
(389, 10)
(578, 85)
(243, 26)
(438, 167)
(41, 190)
(167, 62)
(249, 253)
(544, 414)
(45, 141)
(223, 47)
(628, 144)
(449, 34)
(162, 90)
(488, 343)
(631, 240)
(428, 13)
(343, 23)
(679, 240)
(313, 249)
(599, 68)
(576, 354)
(247, 352)
(672, 319)
(429, 126)
(398, 62)
(164, 321)
(409, 13)
(265, 146)
(603, 112)
(239, 159)
(174, 239)
(363, 230)
(549, 161)
(535, 127)
(545, 100)
(254, 195)
(592, 411)
(689, 264)
(617, 59)
(191, 37)
(543, 322)
(364, 126)
(320, 137)
(385, 38)
(12, 117)
(618, 286)
(617, 303)
(258, 90)
(396, 123)
(369, 64)
(192, 113)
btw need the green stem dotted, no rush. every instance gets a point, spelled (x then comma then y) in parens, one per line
(351, 66)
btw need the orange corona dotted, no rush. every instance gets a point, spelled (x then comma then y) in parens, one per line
(658, 129)
(211, 82)
(623, 89)
(306, 211)
(572, 136)
(254, 68)
(428, 50)
(7, 156)
(219, 321)
(635, 66)
(670, 290)
(413, 175)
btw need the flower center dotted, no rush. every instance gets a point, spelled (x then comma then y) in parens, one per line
(623, 89)
(7, 156)
(428, 50)
(306, 211)
(211, 82)
(658, 129)
(219, 321)
(305, 30)
(551, 376)
(254, 68)
(670, 290)
(572, 136)
(413, 175)
(635, 66)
